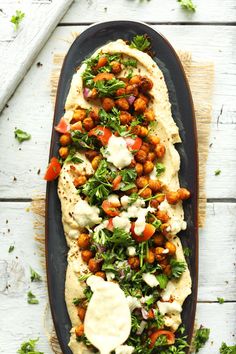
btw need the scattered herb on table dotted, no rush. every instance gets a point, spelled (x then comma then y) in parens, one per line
(21, 136)
(34, 276)
(187, 5)
(225, 349)
(220, 300)
(17, 18)
(32, 298)
(11, 249)
(140, 42)
(29, 347)
(201, 337)
(217, 172)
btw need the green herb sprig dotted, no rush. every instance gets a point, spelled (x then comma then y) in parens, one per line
(17, 18)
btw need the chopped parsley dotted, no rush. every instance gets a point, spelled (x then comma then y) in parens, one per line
(108, 87)
(82, 140)
(130, 62)
(201, 337)
(29, 347)
(141, 43)
(187, 5)
(21, 136)
(220, 300)
(177, 268)
(76, 301)
(163, 280)
(225, 349)
(217, 172)
(17, 18)
(72, 158)
(160, 168)
(34, 276)
(11, 249)
(187, 251)
(32, 298)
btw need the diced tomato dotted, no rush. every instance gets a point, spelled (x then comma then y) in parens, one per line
(102, 133)
(146, 235)
(76, 126)
(134, 144)
(110, 226)
(62, 127)
(109, 209)
(53, 170)
(116, 182)
(161, 332)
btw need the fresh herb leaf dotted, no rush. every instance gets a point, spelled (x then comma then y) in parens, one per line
(34, 276)
(177, 268)
(133, 198)
(161, 341)
(76, 301)
(84, 276)
(201, 337)
(130, 62)
(11, 249)
(187, 251)
(17, 18)
(159, 319)
(108, 87)
(220, 300)
(140, 42)
(217, 172)
(29, 347)
(32, 299)
(163, 280)
(88, 293)
(187, 5)
(72, 158)
(21, 136)
(82, 140)
(225, 349)
(128, 177)
(160, 168)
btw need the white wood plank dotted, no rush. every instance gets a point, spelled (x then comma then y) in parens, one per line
(84, 11)
(31, 109)
(19, 51)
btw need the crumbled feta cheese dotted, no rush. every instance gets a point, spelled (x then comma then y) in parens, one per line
(133, 303)
(118, 153)
(165, 251)
(124, 349)
(150, 279)
(122, 222)
(169, 307)
(86, 215)
(114, 199)
(102, 226)
(124, 201)
(168, 291)
(131, 251)
(110, 276)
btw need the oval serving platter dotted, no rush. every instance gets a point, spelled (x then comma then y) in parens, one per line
(183, 113)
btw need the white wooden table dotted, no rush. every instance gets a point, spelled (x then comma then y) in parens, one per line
(209, 33)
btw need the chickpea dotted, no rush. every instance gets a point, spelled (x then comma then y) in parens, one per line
(79, 181)
(140, 105)
(94, 114)
(88, 124)
(172, 197)
(83, 241)
(132, 190)
(125, 117)
(162, 215)
(148, 167)
(79, 330)
(108, 104)
(153, 139)
(103, 76)
(160, 150)
(142, 182)
(159, 254)
(171, 247)
(101, 275)
(134, 262)
(183, 193)
(132, 164)
(65, 139)
(79, 115)
(132, 90)
(160, 198)
(94, 265)
(90, 154)
(150, 257)
(101, 62)
(146, 193)
(149, 115)
(141, 156)
(135, 80)
(145, 98)
(64, 152)
(159, 239)
(154, 203)
(163, 228)
(145, 147)
(151, 156)
(140, 131)
(96, 161)
(146, 84)
(155, 185)
(122, 104)
(139, 169)
(116, 67)
(81, 311)
(164, 263)
(167, 270)
(120, 92)
(86, 255)
(93, 93)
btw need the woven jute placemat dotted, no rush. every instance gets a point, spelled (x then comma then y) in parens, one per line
(200, 75)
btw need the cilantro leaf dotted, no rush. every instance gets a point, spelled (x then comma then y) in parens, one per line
(187, 5)
(32, 298)
(163, 280)
(140, 42)
(187, 251)
(201, 337)
(160, 168)
(34, 276)
(11, 249)
(225, 349)
(29, 347)
(177, 268)
(220, 300)
(21, 136)
(17, 18)
(108, 87)
(130, 62)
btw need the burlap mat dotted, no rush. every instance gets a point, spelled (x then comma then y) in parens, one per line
(200, 75)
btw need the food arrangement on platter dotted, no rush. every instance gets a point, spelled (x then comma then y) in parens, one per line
(127, 277)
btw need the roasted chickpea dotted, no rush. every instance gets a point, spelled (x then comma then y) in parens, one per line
(101, 275)
(116, 67)
(94, 114)
(139, 169)
(140, 105)
(141, 131)
(120, 92)
(132, 190)
(96, 161)
(63, 152)
(172, 197)
(90, 154)
(103, 76)
(79, 330)
(88, 124)
(93, 93)
(135, 80)
(151, 156)
(164, 228)
(132, 164)
(149, 116)
(160, 198)
(134, 262)
(153, 139)
(94, 265)
(142, 182)
(167, 270)
(108, 104)
(145, 147)
(160, 150)
(162, 215)
(65, 139)
(146, 193)
(155, 185)
(160, 256)
(81, 311)
(183, 193)
(159, 239)
(171, 247)
(146, 84)
(79, 181)
(125, 117)
(148, 167)
(79, 115)
(154, 203)
(145, 98)
(86, 255)
(150, 257)
(102, 61)
(83, 241)
(132, 90)
(141, 156)
(122, 104)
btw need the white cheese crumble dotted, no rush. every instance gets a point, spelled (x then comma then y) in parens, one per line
(131, 251)
(169, 307)
(118, 153)
(122, 222)
(86, 215)
(133, 303)
(114, 199)
(124, 349)
(110, 276)
(150, 279)
(125, 201)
